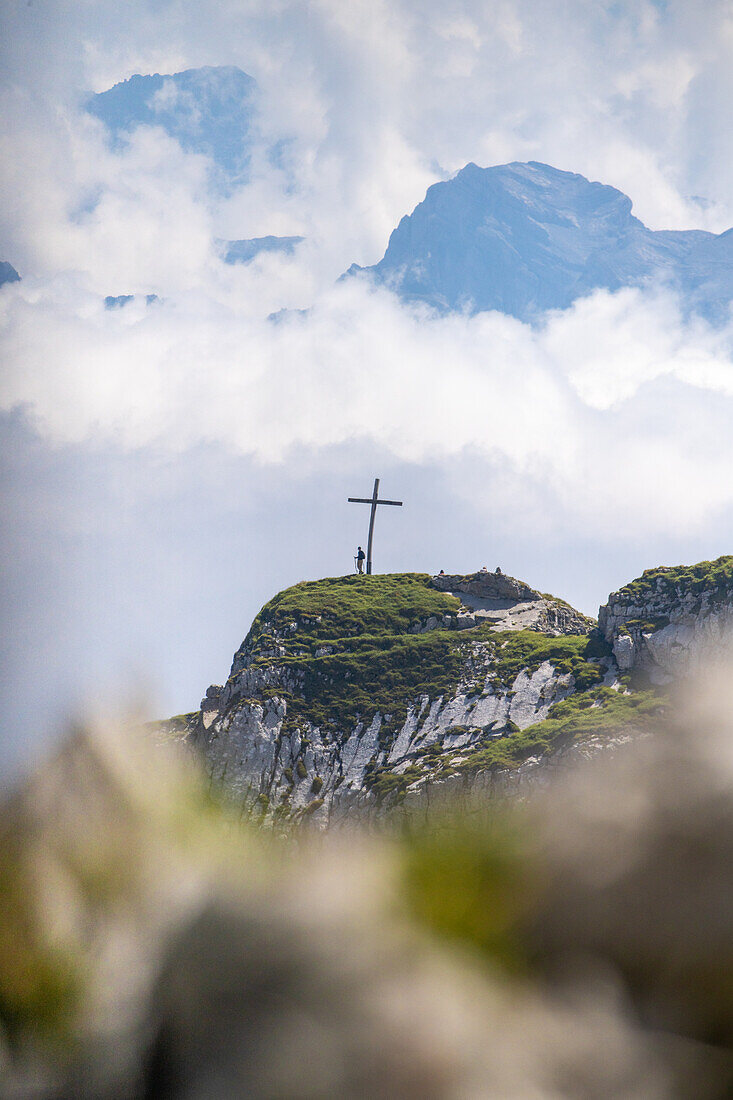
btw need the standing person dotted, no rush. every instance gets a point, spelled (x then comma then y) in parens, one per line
(360, 555)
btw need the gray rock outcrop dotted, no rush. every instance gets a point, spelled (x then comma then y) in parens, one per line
(509, 604)
(267, 737)
(671, 621)
(358, 694)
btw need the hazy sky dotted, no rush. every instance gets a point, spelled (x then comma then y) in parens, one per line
(167, 469)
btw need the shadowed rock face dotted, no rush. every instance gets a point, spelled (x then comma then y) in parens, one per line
(525, 238)
(8, 274)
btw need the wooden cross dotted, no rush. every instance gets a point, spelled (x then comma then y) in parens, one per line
(374, 501)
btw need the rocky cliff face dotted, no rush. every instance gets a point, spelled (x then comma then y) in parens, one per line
(358, 691)
(671, 621)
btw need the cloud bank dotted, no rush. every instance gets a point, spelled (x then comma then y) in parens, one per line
(608, 419)
(615, 409)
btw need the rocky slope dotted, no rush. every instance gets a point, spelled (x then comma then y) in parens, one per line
(525, 238)
(244, 251)
(361, 692)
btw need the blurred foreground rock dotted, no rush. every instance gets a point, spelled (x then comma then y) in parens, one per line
(579, 945)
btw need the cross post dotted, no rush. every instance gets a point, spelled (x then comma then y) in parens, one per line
(374, 501)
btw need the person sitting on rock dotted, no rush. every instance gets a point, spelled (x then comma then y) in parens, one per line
(498, 570)
(360, 555)
(484, 569)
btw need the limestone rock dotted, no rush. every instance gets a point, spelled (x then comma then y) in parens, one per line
(359, 693)
(671, 621)
(325, 713)
(510, 604)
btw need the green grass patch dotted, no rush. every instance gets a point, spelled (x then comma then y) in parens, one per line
(644, 626)
(176, 728)
(385, 783)
(680, 580)
(520, 650)
(383, 673)
(469, 879)
(346, 607)
(584, 715)
(41, 982)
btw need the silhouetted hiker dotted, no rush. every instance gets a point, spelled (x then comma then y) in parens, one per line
(360, 555)
(498, 570)
(441, 573)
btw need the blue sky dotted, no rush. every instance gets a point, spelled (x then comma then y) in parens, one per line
(166, 469)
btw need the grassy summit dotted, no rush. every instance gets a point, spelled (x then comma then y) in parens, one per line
(351, 645)
(348, 640)
(343, 607)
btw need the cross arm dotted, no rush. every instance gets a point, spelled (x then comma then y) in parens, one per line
(360, 500)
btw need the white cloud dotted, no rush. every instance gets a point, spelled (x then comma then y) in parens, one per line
(373, 103)
(576, 409)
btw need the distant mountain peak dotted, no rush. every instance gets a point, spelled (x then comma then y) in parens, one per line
(208, 110)
(523, 238)
(8, 274)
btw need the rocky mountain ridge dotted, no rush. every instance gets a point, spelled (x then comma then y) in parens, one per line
(355, 693)
(525, 238)
(520, 238)
(349, 691)
(8, 274)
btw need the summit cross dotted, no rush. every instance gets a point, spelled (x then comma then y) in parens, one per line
(374, 501)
